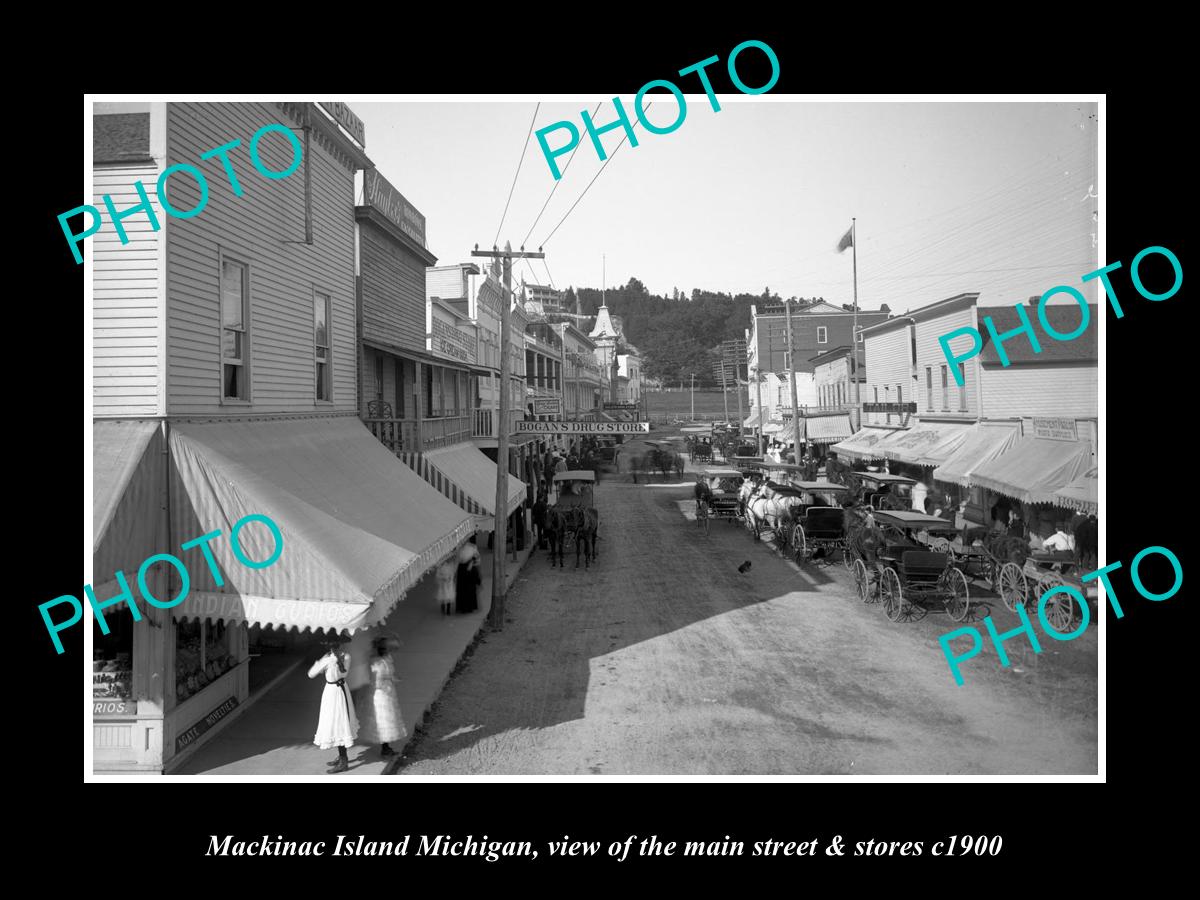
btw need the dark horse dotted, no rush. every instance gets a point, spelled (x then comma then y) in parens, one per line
(554, 528)
(583, 523)
(864, 538)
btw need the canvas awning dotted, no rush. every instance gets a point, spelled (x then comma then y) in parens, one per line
(1034, 468)
(128, 480)
(864, 444)
(984, 441)
(1083, 493)
(772, 427)
(468, 478)
(359, 527)
(828, 429)
(754, 420)
(926, 444)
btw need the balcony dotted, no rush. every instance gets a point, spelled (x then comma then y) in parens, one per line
(485, 422)
(400, 435)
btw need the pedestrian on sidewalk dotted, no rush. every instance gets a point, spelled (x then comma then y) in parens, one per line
(337, 725)
(379, 704)
(469, 577)
(445, 583)
(539, 519)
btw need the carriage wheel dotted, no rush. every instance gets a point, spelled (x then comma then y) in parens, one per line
(958, 594)
(1060, 609)
(1011, 585)
(861, 581)
(799, 544)
(893, 596)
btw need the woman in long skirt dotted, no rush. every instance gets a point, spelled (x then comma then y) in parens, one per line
(337, 725)
(469, 577)
(379, 706)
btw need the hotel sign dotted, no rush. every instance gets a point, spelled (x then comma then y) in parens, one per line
(1055, 429)
(390, 203)
(344, 116)
(583, 427)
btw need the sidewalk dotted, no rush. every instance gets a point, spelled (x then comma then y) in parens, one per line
(274, 736)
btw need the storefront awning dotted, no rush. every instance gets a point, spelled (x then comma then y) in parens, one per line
(754, 420)
(828, 429)
(772, 427)
(864, 444)
(359, 527)
(984, 441)
(926, 444)
(1082, 494)
(466, 476)
(128, 479)
(1034, 469)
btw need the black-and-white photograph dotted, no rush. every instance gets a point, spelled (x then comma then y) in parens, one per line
(684, 434)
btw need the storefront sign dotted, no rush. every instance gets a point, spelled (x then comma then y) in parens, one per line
(449, 341)
(114, 707)
(1055, 429)
(343, 115)
(624, 404)
(890, 407)
(378, 193)
(551, 407)
(206, 723)
(583, 427)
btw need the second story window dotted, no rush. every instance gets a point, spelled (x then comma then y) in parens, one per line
(235, 314)
(822, 334)
(962, 391)
(929, 388)
(945, 389)
(321, 344)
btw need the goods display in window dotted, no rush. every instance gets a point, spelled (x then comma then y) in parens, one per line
(113, 678)
(195, 671)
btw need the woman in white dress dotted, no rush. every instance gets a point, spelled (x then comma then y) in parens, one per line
(379, 707)
(338, 725)
(445, 584)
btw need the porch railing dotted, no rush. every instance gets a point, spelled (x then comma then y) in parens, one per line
(400, 435)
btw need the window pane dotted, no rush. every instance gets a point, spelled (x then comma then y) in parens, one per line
(322, 353)
(231, 344)
(320, 320)
(233, 381)
(233, 293)
(322, 381)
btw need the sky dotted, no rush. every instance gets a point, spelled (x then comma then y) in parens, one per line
(997, 198)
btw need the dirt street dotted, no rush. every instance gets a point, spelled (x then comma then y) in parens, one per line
(663, 660)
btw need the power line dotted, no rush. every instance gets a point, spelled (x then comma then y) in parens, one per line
(611, 156)
(496, 240)
(557, 182)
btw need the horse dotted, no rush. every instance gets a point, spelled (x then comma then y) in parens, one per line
(765, 507)
(1086, 546)
(583, 523)
(863, 536)
(554, 527)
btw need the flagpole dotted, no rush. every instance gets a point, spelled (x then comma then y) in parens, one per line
(854, 336)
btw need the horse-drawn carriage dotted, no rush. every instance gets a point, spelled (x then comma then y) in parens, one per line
(892, 566)
(717, 496)
(882, 490)
(819, 526)
(573, 516)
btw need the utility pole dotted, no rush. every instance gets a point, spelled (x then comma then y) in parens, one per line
(758, 393)
(787, 309)
(500, 542)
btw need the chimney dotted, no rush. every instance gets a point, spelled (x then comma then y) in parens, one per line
(884, 309)
(1033, 301)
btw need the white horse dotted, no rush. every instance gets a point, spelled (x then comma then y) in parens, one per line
(765, 508)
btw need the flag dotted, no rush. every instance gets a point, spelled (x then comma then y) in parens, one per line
(847, 240)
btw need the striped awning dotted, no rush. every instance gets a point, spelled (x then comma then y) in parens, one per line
(927, 444)
(1083, 493)
(1034, 469)
(467, 477)
(359, 527)
(864, 444)
(984, 441)
(828, 429)
(127, 485)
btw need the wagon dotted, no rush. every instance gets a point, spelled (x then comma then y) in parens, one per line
(723, 501)
(1043, 571)
(574, 488)
(905, 575)
(819, 520)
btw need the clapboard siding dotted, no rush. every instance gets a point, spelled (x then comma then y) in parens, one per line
(929, 353)
(888, 361)
(264, 228)
(445, 282)
(393, 291)
(125, 284)
(1068, 391)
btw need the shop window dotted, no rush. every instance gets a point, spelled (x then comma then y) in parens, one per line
(235, 316)
(202, 655)
(962, 391)
(322, 309)
(929, 388)
(112, 664)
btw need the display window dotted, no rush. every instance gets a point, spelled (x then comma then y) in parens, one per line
(202, 655)
(112, 664)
